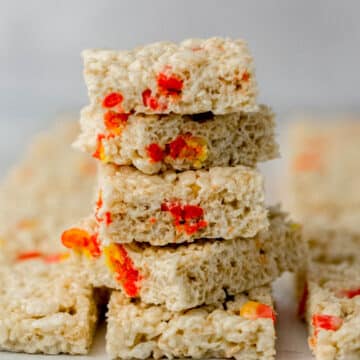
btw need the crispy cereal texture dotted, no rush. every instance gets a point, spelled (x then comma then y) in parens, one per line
(186, 276)
(192, 77)
(325, 172)
(154, 143)
(175, 207)
(45, 192)
(333, 310)
(45, 308)
(139, 331)
(331, 245)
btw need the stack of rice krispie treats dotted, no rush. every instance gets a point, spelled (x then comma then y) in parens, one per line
(179, 232)
(325, 174)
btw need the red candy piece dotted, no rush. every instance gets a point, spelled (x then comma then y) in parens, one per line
(75, 238)
(164, 207)
(149, 101)
(245, 77)
(99, 204)
(112, 100)
(94, 246)
(99, 152)
(191, 212)
(113, 121)
(54, 258)
(124, 267)
(152, 101)
(50, 258)
(191, 229)
(350, 293)
(326, 322)
(176, 146)
(155, 152)
(28, 255)
(254, 310)
(108, 219)
(266, 312)
(188, 218)
(146, 94)
(176, 210)
(107, 215)
(169, 85)
(186, 146)
(183, 147)
(79, 239)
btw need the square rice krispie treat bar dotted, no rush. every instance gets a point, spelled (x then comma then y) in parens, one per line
(45, 307)
(154, 143)
(331, 304)
(192, 77)
(242, 328)
(189, 275)
(52, 186)
(325, 172)
(331, 245)
(172, 207)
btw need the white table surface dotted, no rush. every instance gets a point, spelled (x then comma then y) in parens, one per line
(291, 333)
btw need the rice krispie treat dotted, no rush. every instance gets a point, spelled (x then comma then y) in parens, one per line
(331, 302)
(154, 143)
(325, 172)
(332, 245)
(189, 275)
(192, 77)
(172, 207)
(52, 186)
(242, 328)
(45, 306)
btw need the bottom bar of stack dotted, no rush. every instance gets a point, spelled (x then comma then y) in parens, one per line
(242, 328)
(45, 307)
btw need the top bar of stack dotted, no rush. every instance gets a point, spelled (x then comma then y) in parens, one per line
(168, 78)
(181, 107)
